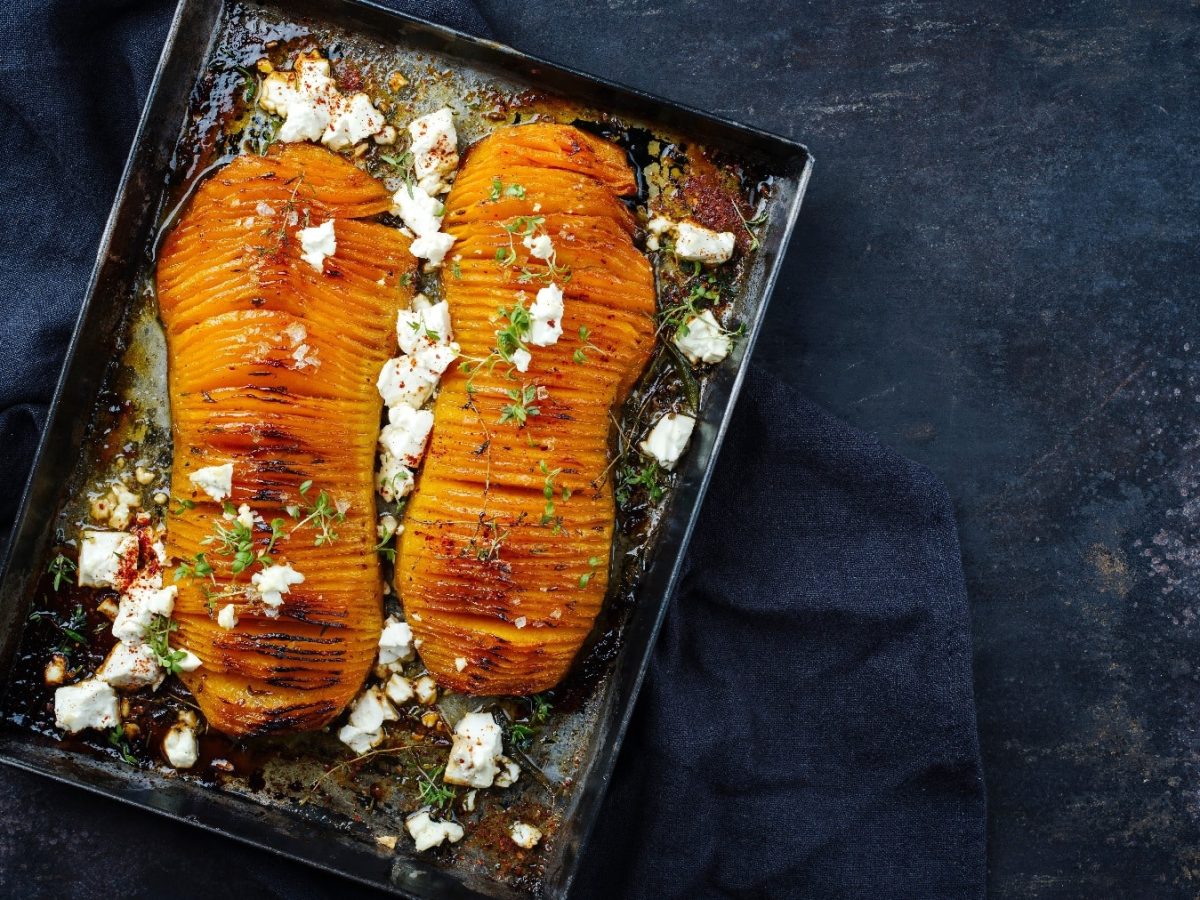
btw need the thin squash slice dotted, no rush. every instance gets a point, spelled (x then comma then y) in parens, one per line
(272, 367)
(503, 563)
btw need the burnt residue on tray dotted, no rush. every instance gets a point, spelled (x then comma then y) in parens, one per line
(313, 775)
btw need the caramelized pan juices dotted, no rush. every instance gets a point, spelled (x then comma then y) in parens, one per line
(396, 420)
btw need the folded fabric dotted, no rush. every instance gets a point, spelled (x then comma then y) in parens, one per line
(807, 727)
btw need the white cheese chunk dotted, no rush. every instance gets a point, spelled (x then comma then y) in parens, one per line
(699, 244)
(141, 602)
(668, 438)
(420, 211)
(88, 704)
(399, 689)
(317, 244)
(545, 316)
(107, 559)
(426, 833)
(227, 617)
(434, 143)
(411, 379)
(521, 358)
(394, 480)
(425, 687)
(406, 433)
(395, 642)
(354, 120)
(216, 481)
(540, 246)
(426, 323)
(131, 668)
(273, 582)
(365, 728)
(508, 774)
(315, 110)
(526, 836)
(189, 662)
(432, 247)
(181, 747)
(245, 516)
(477, 746)
(702, 340)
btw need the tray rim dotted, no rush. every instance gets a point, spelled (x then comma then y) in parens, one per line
(603, 763)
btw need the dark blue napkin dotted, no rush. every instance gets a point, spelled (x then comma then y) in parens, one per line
(807, 728)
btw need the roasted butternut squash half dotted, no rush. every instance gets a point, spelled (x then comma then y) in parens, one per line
(503, 563)
(273, 350)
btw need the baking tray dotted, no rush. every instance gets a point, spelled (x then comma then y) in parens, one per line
(89, 364)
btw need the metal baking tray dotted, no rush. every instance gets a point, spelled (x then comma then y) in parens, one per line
(329, 842)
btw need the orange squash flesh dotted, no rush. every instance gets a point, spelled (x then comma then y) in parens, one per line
(272, 368)
(501, 600)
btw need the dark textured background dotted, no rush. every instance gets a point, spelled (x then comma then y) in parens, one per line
(995, 272)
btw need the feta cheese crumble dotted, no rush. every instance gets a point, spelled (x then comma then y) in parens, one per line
(107, 559)
(142, 601)
(315, 110)
(88, 704)
(395, 642)
(130, 668)
(318, 244)
(692, 242)
(521, 358)
(525, 836)
(434, 143)
(702, 340)
(699, 244)
(180, 746)
(424, 324)
(216, 481)
(273, 582)
(540, 246)
(367, 715)
(399, 689)
(227, 617)
(477, 747)
(425, 689)
(427, 833)
(355, 120)
(406, 434)
(668, 438)
(545, 326)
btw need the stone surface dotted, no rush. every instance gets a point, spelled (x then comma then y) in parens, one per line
(994, 272)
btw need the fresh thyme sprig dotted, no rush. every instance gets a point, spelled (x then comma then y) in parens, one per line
(522, 406)
(580, 354)
(197, 567)
(509, 340)
(433, 794)
(71, 630)
(158, 639)
(594, 562)
(499, 189)
(62, 568)
(323, 514)
(119, 742)
(750, 224)
(520, 734)
(540, 709)
(487, 541)
(237, 540)
(630, 478)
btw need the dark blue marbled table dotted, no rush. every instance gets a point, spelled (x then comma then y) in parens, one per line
(996, 272)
